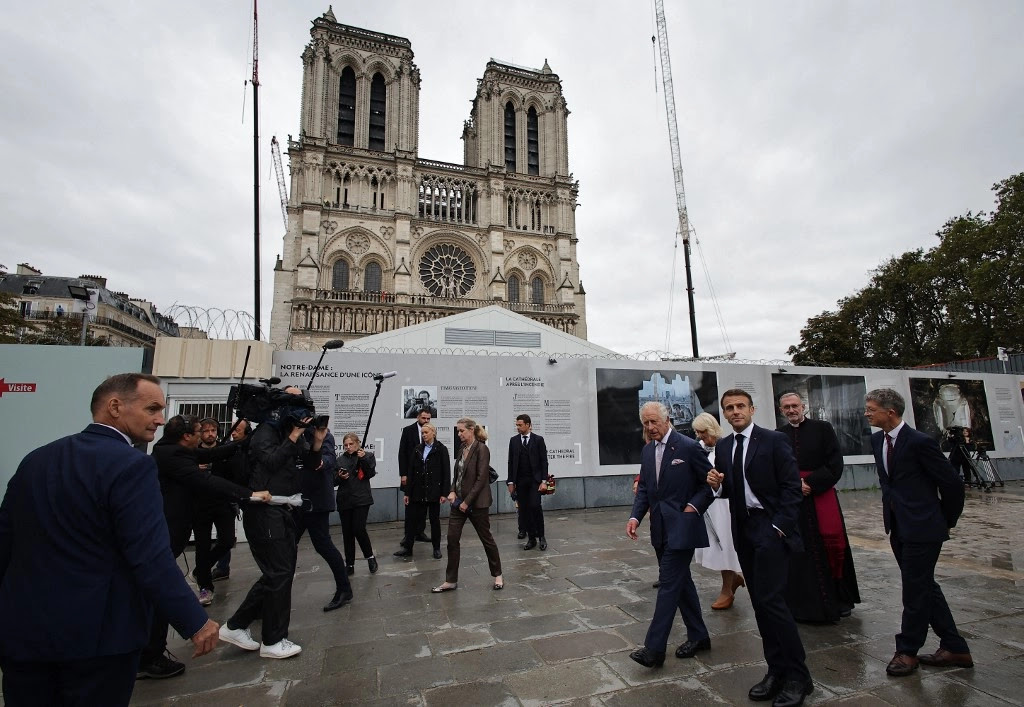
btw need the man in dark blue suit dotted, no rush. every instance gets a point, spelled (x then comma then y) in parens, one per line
(673, 470)
(922, 498)
(528, 479)
(85, 557)
(757, 472)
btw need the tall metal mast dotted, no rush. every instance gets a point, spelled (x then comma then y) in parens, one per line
(256, 170)
(677, 162)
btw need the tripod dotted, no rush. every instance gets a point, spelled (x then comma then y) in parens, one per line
(974, 464)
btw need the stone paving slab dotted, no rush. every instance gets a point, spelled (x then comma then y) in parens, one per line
(561, 631)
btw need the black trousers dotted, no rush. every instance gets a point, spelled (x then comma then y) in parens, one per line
(208, 553)
(106, 680)
(416, 514)
(764, 558)
(531, 513)
(271, 534)
(318, 524)
(179, 530)
(923, 601)
(353, 528)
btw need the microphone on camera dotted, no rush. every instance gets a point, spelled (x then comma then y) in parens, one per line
(381, 376)
(270, 381)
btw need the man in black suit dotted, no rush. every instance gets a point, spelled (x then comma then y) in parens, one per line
(85, 557)
(758, 474)
(673, 470)
(922, 498)
(412, 437)
(528, 479)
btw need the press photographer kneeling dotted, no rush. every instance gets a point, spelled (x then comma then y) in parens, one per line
(278, 451)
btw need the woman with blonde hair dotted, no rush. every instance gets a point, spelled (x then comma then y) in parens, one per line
(721, 554)
(470, 497)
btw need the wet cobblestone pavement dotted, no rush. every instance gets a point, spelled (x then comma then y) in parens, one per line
(562, 629)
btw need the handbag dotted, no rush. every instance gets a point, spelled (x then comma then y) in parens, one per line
(492, 474)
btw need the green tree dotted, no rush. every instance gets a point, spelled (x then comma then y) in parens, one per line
(10, 319)
(61, 331)
(961, 299)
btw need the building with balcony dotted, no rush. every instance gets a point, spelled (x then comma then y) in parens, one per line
(379, 238)
(112, 318)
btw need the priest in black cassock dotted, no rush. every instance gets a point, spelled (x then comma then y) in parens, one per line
(822, 583)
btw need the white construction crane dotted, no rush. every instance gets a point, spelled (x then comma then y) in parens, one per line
(677, 161)
(275, 153)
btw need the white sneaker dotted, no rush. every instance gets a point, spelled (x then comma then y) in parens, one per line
(282, 649)
(239, 637)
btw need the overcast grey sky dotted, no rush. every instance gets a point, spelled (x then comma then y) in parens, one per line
(818, 139)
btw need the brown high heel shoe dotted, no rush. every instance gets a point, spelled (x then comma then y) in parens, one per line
(738, 582)
(723, 602)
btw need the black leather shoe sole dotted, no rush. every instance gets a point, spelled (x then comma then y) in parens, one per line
(530, 545)
(543, 544)
(403, 553)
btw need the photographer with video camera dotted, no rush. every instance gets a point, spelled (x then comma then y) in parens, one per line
(278, 451)
(183, 484)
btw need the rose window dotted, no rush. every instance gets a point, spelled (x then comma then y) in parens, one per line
(447, 271)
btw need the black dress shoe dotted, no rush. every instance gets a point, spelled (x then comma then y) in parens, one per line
(766, 689)
(350, 570)
(530, 544)
(437, 554)
(648, 659)
(845, 611)
(690, 648)
(543, 544)
(422, 538)
(372, 561)
(404, 552)
(793, 693)
(338, 601)
(521, 534)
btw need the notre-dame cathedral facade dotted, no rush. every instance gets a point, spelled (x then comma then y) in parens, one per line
(380, 238)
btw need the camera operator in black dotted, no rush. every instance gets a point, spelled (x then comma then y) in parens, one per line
(278, 451)
(317, 506)
(961, 445)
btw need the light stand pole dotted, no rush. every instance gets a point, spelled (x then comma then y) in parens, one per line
(81, 293)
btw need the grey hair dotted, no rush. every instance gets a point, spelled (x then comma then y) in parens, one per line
(887, 399)
(659, 408)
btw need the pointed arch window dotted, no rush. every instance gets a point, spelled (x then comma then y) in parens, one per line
(510, 137)
(513, 288)
(532, 142)
(339, 276)
(378, 109)
(372, 280)
(347, 107)
(537, 291)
